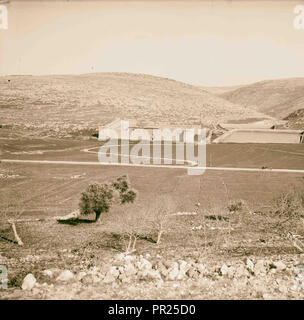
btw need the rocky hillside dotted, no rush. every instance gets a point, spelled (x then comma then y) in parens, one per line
(295, 120)
(76, 102)
(277, 98)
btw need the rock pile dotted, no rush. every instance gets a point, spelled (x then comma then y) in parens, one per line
(264, 278)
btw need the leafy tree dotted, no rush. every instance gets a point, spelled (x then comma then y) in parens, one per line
(99, 198)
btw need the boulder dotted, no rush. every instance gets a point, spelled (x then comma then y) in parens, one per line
(65, 275)
(130, 270)
(280, 266)
(144, 264)
(114, 272)
(201, 268)
(48, 273)
(173, 272)
(109, 278)
(81, 275)
(259, 268)
(250, 265)
(224, 270)
(28, 282)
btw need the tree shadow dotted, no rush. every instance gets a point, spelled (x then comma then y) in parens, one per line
(75, 221)
(9, 240)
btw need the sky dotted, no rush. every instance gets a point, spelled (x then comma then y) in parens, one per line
(207, 43)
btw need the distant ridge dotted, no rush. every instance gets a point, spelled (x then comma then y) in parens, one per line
(276, 98)
(75, 102)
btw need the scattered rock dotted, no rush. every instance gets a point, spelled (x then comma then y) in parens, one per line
(114, 272)
(144, 264)
(65, 276)
(28, 282)
(159, 283)
(231, 272)
(48, 273)
(201, 268)
(109, 278)
(279, 265)
(267, 296)
(153, 275)
(129, 270)
(259, 268)
(124, 278)
(81, 275)
(162, 269)
(249, 265)
(120, 257)
(224, 270)
(87, 279)
(241, 271)
(193, 273)
(173, 272)
(183, 268)
(283, 289)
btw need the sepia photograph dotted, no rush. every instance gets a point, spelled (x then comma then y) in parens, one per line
(151, 150)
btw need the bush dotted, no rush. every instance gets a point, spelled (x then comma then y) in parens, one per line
(290, 202)
(122, 186)
(236, 206)
(99, 198)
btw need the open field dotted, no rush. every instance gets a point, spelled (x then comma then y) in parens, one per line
(279, 156)
(55, 189)
(60, 185)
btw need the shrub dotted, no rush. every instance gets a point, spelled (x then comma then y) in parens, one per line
(236, 206)
(290, 202)
(99, 198)
(122, 186)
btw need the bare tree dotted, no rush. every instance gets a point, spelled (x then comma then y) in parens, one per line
(11, 209)
(130, 223)
(160, 215)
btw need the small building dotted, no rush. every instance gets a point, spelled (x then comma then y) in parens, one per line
(260, 124)
(261, 136)
(162, 132)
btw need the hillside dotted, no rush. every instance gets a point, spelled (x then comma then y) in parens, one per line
(66, 103)
(277, 98)
(221, 90)
(295, 120)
